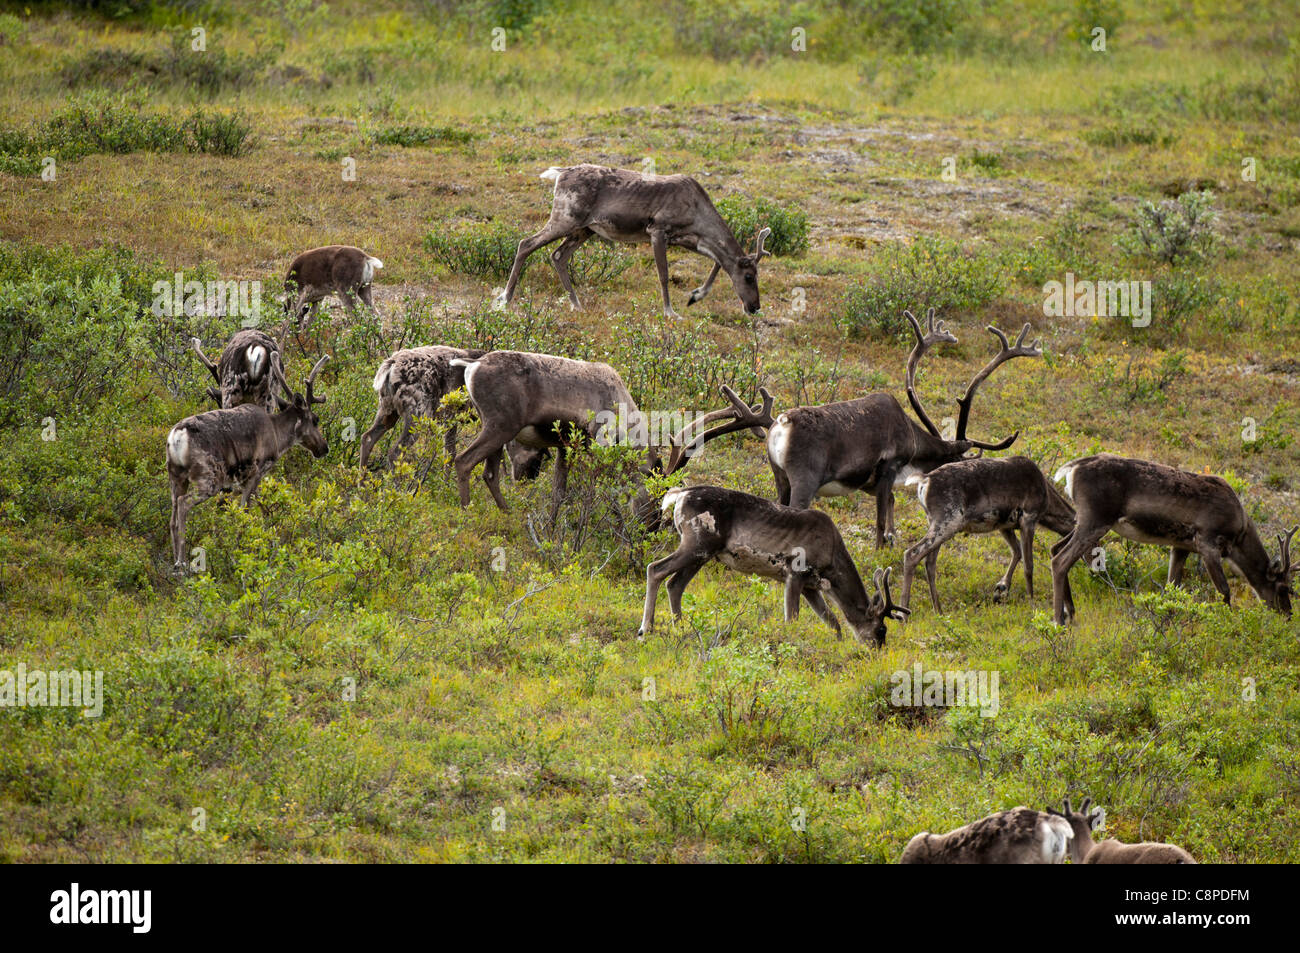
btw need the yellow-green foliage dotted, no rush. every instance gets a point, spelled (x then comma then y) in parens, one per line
(365, 671)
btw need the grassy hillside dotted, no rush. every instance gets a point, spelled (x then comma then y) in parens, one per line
(365, 671)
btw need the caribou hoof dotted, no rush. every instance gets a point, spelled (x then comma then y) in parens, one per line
(695, 296)
(499, 302)
(999, 593)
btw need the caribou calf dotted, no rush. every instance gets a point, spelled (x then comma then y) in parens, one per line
(211, 452)
(979, 496)
(1084, 850)
(747, 533)
(1018, 836)
(340, 270)
(634, 207)
(1188, 512)
(243, 372)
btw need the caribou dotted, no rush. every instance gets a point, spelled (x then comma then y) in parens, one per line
(1084, 850)
(619, 205)
(870, 444)
(243, 371)
(314, 275)
(214, 451)
(546, 402)
(749, 534)
(1018, 836)
(1164, 506)
(412, 383)
(981, 495)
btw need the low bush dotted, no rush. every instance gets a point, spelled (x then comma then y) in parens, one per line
(927, 273)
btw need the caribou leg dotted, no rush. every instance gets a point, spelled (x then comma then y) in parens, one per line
(1214, 566)
(1070, 551)
(487, 444)
(1003, 588)
(548, 234)
(560, 260)
(1177, 560)
(659, 243)
(819, 606)
(1027, 551)
(682, 565)
(699, 293)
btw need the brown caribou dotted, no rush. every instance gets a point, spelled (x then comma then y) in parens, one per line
(982, 495)
(635, 207)
(214, 451)
(1164, 506)
(749, 534)
(870, 444)
(243, 371)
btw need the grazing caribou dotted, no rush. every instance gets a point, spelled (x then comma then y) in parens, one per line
(635, 207)
(243, 372)
(411, 383)
(1188, 512)
(213, 451)
(1084, 850)
(546, 402)
(747, 533)
(314, 275)
(869, 443)
(1018, 836)
(981, 495)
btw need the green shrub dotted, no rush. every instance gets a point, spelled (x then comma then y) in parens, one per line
(416, 135)
(927, 273)
(1173, 231)
(744, 217)
(487, 250)
(103, 123)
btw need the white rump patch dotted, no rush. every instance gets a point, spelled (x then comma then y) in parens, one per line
(470, 368)
(381, 376)
(553, 175)
(1056, 835)
(1066, 474)
(178, 446)
(672, 501)
(922, 484)
(778, 441)
(255, 356)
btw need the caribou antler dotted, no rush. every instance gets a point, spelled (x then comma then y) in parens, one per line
(936, 333)
(741, 417)
(311, 379)
(1284, 551)
(1005, 353)
(759, 250)
(216, 375)
(881, 579)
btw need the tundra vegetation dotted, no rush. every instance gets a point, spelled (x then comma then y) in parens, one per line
(364, 670)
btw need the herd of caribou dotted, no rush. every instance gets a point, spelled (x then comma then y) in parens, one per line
(533, 405)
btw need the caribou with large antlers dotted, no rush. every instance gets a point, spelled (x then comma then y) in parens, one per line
(747, 533)
(870, 444)
(547, 402)
(980, 496)
(635, 207)
(214, 451)
(243, 372)
(1188, 512)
